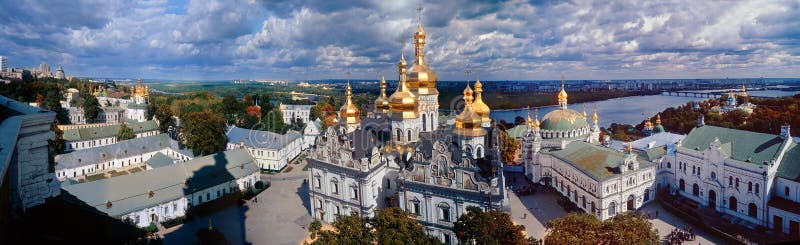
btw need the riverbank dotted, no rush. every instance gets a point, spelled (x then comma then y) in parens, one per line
(518, 100)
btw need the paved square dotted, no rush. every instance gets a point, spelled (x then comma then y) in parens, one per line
(280, 216)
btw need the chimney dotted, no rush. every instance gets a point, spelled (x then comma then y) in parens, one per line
(701, 120)
(785, 131)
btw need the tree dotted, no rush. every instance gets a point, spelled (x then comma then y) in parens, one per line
(508, 147)
(273, 122)
(395, 226)
(573, 229)
(125, 133)
(164, 116)
(297, 124)
(625, 228)
(493, 227)
(231, 108)
(150, 111)
(204, 133)
(91, 108)
(349, 229)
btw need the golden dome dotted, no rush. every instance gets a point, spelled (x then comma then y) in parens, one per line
(658, 119)
(421, 79)
(382, 102)
(584, 111)
(648, 123)
(478, 106)
(403, 104)
(594, 115)
(349, 111)
(536, 123)
(562, 96)
(528, 120)
(744, 91)
(468, 123)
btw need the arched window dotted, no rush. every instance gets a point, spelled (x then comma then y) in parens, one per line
(479, 152)
(424, 122)
(354, 192)
(752, 210)
(415, 207)
(737, 183)
(612, 209)
(696, 190)
(317, 181)
(399, 134)
(433, 126)
(749, 186)
(682, 185)
(733, 203)
(669, 165)
(757, 188)
(335, 186)
(730, 180)
(444, 212)
(409, 135)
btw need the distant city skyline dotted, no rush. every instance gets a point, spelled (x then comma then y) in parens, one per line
(311, 40)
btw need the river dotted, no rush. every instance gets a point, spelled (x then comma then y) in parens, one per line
(627, 110)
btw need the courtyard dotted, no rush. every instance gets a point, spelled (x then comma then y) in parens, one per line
(279, 216)
(534, 210)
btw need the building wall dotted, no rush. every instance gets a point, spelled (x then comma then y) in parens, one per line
(116, 164)
(273, 159)
(91, 143)
(31, 179)
(356, 194)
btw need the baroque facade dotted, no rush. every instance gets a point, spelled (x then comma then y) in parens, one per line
(402, 155)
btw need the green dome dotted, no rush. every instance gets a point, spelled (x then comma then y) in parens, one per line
(563, 120)
(658, 129)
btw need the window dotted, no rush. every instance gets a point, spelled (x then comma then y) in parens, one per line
(409, 135)
(757, 188)
(444, 212)
(682, 185)
(208, 196)
(786, 191)
(752, 210)
(696, 190)
(335, 186)
(399, 135)
(749, 186)
(354, 192)
(317, 181)
(733, 203)
(415, 207)
(737, 183)
(446, 238)
(612, 209)
(669, 165)
(730, 180)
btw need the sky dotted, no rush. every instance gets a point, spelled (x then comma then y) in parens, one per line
(324, 39)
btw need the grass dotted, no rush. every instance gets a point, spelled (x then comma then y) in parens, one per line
(288, 169)
(114, 173)
(134, 170)
(305, 168)
(95, 177)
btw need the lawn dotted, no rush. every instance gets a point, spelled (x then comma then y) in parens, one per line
(95, 177)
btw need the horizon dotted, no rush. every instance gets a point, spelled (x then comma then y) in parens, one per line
(312, 40)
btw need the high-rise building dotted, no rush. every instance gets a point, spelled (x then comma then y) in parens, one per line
(44, 70)
(3, 63)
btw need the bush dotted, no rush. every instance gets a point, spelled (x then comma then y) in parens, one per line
(174, 222)
(288, 169)
(151, 228)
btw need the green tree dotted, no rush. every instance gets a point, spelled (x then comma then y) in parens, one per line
(395, 226)
(91, 108)
(493, 227)
(231, 108)
(150, 111)
(273, 122)
(204, 133)
(351, 230)
(625, 228)
(297, 124)
(125, 133)
(164, 116)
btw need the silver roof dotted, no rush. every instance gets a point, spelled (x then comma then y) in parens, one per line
(261, 139)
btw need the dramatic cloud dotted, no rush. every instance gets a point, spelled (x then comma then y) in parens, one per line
(318, 39)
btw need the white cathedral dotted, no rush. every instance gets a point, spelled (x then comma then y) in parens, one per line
(401, 155)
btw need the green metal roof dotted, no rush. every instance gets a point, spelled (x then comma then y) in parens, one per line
(653, 153)
(563, 120)
(137, 106)
(131, 192)
(790, 165)
(745, 146)
(107, 131)
(597, 161)
(517, 131)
